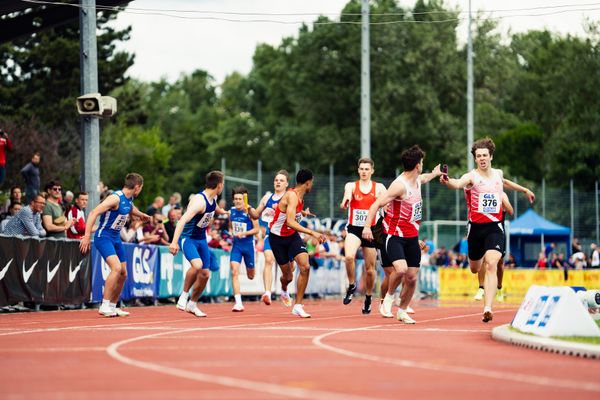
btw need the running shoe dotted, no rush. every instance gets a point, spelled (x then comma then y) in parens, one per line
(121, 313)
(195, 310)
(479, 294)
(349, 293)
(409, 310)
(286, 299)
(238, 308)
(182, 302)
(386, 307)
(500, 296)
(404, 317)
(367, 305)
(107, 311)
(487, 316)
(299, 311)
(266, 298)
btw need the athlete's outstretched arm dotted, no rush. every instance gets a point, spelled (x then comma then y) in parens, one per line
(396, 189)
(290, 217)
(508, 184)
(425, 178)
(460, 183)
(136, 212)
(195, 206)
(347, 195)
(110, 203)
(255, 213)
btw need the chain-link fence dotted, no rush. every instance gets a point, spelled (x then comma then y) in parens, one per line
(572, 208)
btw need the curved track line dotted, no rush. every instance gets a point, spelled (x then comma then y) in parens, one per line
(515, 377)
(238, 383)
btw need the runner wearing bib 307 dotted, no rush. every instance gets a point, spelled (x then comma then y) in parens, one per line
(486, 238)
(358, 198)
(402, 219)
(113, 212)
(191, 229)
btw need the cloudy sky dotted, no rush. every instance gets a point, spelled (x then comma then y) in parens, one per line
(168, 42)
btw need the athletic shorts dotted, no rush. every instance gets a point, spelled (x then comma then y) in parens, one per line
(108, 246)
(196, 248)
(267, 243)
(286, 248)
(399, 248)
(357, 231)
(245, 251)
(385, 260)
(484, 237)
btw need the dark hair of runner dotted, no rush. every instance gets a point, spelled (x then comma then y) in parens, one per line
(238, 190)
(132, 180)
(213, 178)
(303, 176)
(366, 160)
(485, 143)
(412, 157)
(284, 173)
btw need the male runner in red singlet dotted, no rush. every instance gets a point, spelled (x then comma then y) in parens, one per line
(286, 243)
(401, 224)
(358, 197)
(486, 237)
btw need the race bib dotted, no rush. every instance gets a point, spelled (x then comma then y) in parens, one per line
(267, 215)
(205, 220)
(238, 227)
(119, 222)
(489, 203)
(417, 212)
(359, 217)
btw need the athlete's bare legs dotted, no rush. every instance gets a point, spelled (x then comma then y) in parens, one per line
(351, 245)
(268, 276)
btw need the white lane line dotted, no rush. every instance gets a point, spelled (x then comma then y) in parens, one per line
(446, 368)
(238, 383)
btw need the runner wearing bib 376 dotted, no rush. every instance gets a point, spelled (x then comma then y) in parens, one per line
(486, 234)
(401, 223)
(358, 197)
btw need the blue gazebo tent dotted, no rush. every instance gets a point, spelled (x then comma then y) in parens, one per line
(530, 232)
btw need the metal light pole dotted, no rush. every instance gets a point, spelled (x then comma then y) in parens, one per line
(470, 164)
(365, 85)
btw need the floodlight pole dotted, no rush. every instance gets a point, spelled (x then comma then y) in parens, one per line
(470, 164)
(365, 85)
(90, 126)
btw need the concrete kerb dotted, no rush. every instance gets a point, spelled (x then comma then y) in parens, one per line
(504, 334)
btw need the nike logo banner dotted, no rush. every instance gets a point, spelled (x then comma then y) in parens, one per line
(43, 271)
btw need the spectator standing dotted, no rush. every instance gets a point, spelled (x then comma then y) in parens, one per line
(594, 256)
(67, 201)
(156, 206)
(28, 221)
(77, 215)
(174, 202)
(12, 211)
(15, 197)
(31, 174)
(133, 232)
(155, 232)
(576, 246)
(53, 218)
(5, 145)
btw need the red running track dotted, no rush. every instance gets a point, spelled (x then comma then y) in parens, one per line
(266, 353)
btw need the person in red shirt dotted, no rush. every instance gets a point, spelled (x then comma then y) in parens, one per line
(5, 144)
(77, 214)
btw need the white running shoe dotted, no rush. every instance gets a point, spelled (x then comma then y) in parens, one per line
(195, 310)
(383, 314)
(107, 311)
(409, 310)
(266, 298)
(286, 299)
(404, 317)
(121, 313)
(237, 307)
(182, 302)
(479, 295)
(299, 311)
(388, 301)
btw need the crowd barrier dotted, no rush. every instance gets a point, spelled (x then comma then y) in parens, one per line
(43, 271)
